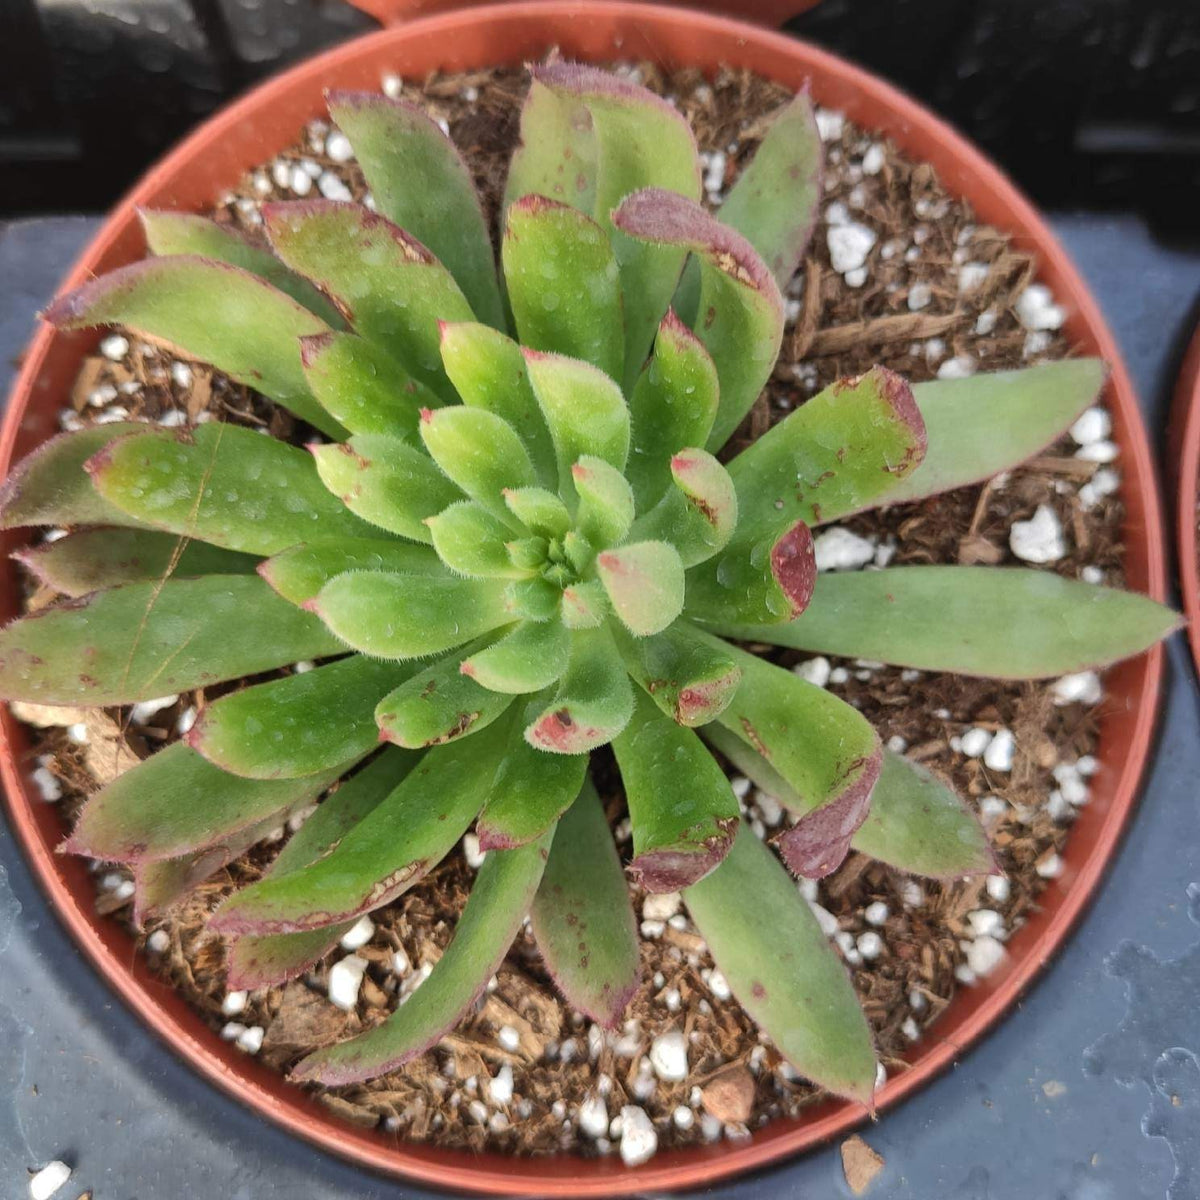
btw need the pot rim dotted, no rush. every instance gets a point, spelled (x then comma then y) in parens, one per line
(1185, 434)
(590, 29)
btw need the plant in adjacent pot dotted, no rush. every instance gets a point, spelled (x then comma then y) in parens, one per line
(516, 543)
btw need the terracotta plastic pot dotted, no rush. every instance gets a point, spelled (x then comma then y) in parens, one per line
(1185, 461)
(264, 123)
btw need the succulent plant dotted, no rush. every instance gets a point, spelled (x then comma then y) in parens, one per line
(515, 543)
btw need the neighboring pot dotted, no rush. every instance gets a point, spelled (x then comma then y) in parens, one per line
(264, 123)
(1185, 461)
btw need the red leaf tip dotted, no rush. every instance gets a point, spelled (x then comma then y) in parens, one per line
(794, 566)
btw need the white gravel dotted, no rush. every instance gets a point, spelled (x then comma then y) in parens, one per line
(1040, 539)
(669, 1056)
(114, 347)
(849, 246)
(814, 670)
(500, 1089)
(869, 945)
(250, 1040)
(233, 1003)
(593, 1116)
(838, 549)
(1036, 309)
(345, 979)
(472, 852)
(638, 1138)
(48, 1180)
(1094, 425)
(1000, 752)
(961, 366)
(337, 147)
(1081, 688)
(998, 888)
(919, 296)
(140, 713)
(975, 742)
(984, 955)
(660, 906)
(359, 934)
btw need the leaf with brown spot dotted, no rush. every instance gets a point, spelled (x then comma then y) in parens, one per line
(683, 810)
(783, 971)
(582, 917)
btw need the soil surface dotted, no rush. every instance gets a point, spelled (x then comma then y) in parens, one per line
(936, 295)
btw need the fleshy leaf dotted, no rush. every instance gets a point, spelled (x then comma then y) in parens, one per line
(480, 452)
(470, 540)
(918, 824)
(409, 616)
(826, 750)
(146, 640)
(582, 918)
(94, 559)
(488, 371)
(162, 883)
(733, 584)
(845, 449)
(919, 800)
(998, 622)
(594, 700)
(794, 987)
(274, 958)
(534, 599)
(740, 311)
(817, 844)
(51, 487)
(174, 233)
(389, 286)
(213, 312)
(584, 605)
(644, 581)
(253, 961)
(540, 511)
(385, 481)
(684, 812)
(363, 386)
(299, 573)
(674, 404)
(177, 802)
(562, 281)
(222, 484)
(775, 199)
(383, 855)
(641, 141)
(349, 803)
(396, 143)
(530, 658)
(584, 409)
(605, 502)
(690, 679)
(498, 904)
(985, 424)
(437, 705)
(557, 153)
(298, 725)
(530, 790)
(698, 512)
